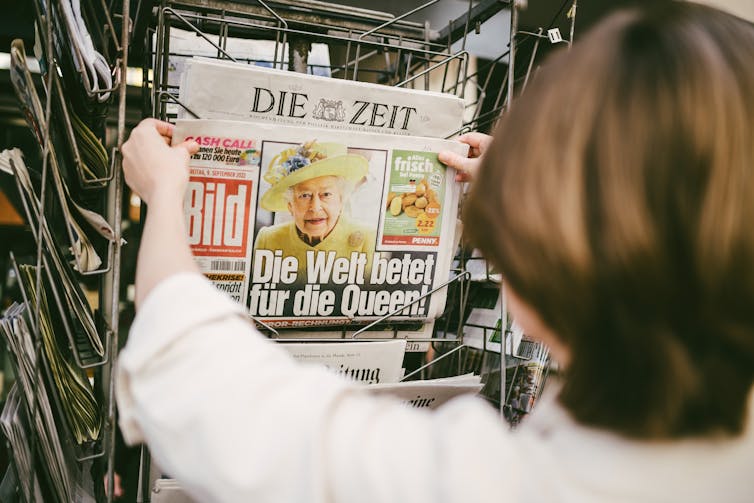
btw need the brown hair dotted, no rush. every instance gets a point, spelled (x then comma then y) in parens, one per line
(617, 198)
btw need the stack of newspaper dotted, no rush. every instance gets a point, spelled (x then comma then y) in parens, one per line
(14, 423)
(322, 202)
(187, 45)
(83, 228)
(378, 365)
(320, 205)
(69, 298)
(527, 379)
(75, 393)
(34, 413)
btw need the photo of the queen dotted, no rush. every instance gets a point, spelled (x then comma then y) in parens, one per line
(314, 182)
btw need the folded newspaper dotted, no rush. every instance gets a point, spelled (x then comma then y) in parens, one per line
(52, 458)
(379, 365)
(431, 393)
(312, 228)
(416, 338)
(364, 362)
(253, 93)
(527, 378)
(186, 45)
(86, 258)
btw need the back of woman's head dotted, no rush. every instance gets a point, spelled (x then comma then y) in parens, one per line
(618, 201)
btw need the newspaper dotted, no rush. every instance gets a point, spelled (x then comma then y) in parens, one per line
(416, 338)
(480, 269)
(71, 384)
(483, 326)
(379, 365)
(364, 362)
(314, 228)
(527, 377)
(54, 461)
(14, 423)
(265, 95)
(432, 393)
(483, 331)
(82, 248)
(188, 44)
(185, 45)
(11, 161)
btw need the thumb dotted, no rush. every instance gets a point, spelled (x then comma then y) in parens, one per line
(190, 145)
(453, 160)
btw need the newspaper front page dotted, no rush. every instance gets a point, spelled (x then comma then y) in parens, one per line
(432, 393)
(251, 93)
(316, 228)
(185, 45)
(379, 365)
(527, 377)
(363, 362)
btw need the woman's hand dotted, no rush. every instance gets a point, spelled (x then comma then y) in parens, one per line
(153, 168)
(466, 167)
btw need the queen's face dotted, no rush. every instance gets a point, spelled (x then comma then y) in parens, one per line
(316, 206)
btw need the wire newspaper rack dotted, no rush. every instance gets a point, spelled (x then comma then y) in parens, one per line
(68, 120)
(361, 44)
(397, 50)
(364, 44)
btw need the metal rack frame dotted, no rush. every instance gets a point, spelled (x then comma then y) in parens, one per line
(396, 36)
(412, 50)
(48, 19)
(411, 53)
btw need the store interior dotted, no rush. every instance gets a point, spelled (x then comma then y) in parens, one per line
(461, 48)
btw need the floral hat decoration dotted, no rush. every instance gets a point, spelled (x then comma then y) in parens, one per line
(304, 162)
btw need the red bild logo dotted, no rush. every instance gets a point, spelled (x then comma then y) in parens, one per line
(216, 216)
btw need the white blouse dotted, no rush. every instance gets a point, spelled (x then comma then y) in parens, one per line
(234, 419)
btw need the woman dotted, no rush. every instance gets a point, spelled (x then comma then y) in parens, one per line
(313, 183)
(616, 198)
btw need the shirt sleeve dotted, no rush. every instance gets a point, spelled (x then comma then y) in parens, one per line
(233, 418)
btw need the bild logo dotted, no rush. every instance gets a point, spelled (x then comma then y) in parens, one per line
(216, 216)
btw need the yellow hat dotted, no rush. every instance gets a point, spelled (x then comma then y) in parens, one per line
(309, 160)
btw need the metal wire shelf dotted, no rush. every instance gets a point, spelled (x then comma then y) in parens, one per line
(362, 45)
(67, 89)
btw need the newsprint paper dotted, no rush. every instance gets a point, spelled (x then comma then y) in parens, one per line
(252, 93)
(314, 228)
(379, 365)
(363, 362)
(431, 393)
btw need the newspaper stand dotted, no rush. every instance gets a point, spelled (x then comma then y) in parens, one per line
(405, 51)
(88, 450)
(104, 191)
(367, 45)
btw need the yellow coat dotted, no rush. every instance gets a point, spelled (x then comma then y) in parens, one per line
(346, 237)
